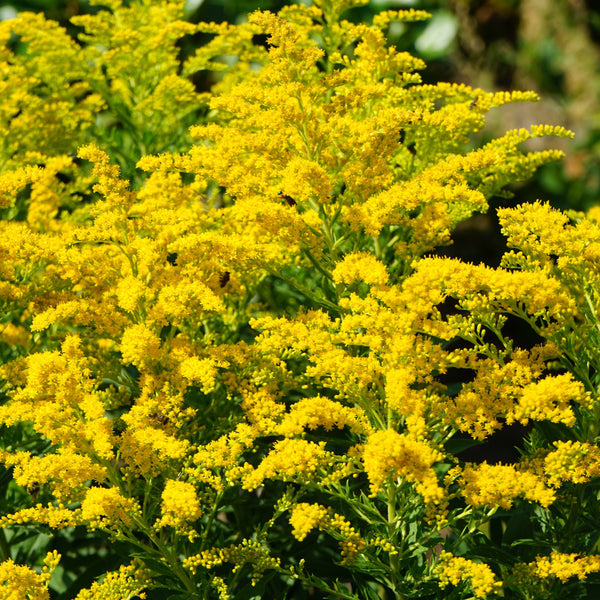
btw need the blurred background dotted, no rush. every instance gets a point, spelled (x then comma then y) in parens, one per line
(549, 46)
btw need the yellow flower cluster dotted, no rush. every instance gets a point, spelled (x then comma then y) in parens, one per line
(108, 508)
(198, 317)
(481, 288)
(221, 588)
(500, 485)
(351, 543)
(492, 394)
(310, 413)
(306, 517)
(180, 505)
(248, 551)
(66, 105)
(66, 472)
(18, 581)
(140, 346)
(456, 569)
(550, 399)
(60, 398)
(559, 565)
(289, 460)
(388, 455)
(576, 462)
(53, 516)
(128, 582)
(146, 449)
(360, 267)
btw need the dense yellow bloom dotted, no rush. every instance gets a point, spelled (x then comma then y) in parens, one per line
(456, 569)
(388, 454)
(550, 399)
(130, 291)
(180, 504)
(360, 267)
(542, 573)
(193, 317)
(248, 551)
(481, 288)
(305, 517)
(61, 401)
(19, 582)
(140, 346)
(263, 410)
(311, 413)
(565, 566)
(500, 485)
(577, 462)
(144, 449)
(65, 472)
(179, 300)
(539, 231)
(53, 516)
(107, 508)
(398, 392)
(226, 451)
(290, 460)
(200, 371)
(492, 394)
(126, 584)
(71, 309)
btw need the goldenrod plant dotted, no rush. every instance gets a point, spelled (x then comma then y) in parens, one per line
(235, 363)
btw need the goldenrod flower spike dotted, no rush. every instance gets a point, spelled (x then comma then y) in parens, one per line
(230, 341)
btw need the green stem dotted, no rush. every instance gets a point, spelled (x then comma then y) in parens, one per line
(590, 304)
(394, 559)
(309, 294)
(168, 554)
(567, 537)
(318, 265)
(211, 518)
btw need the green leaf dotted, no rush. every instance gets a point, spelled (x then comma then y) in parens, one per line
(497, 555)
(518, 527)
(457, 445)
